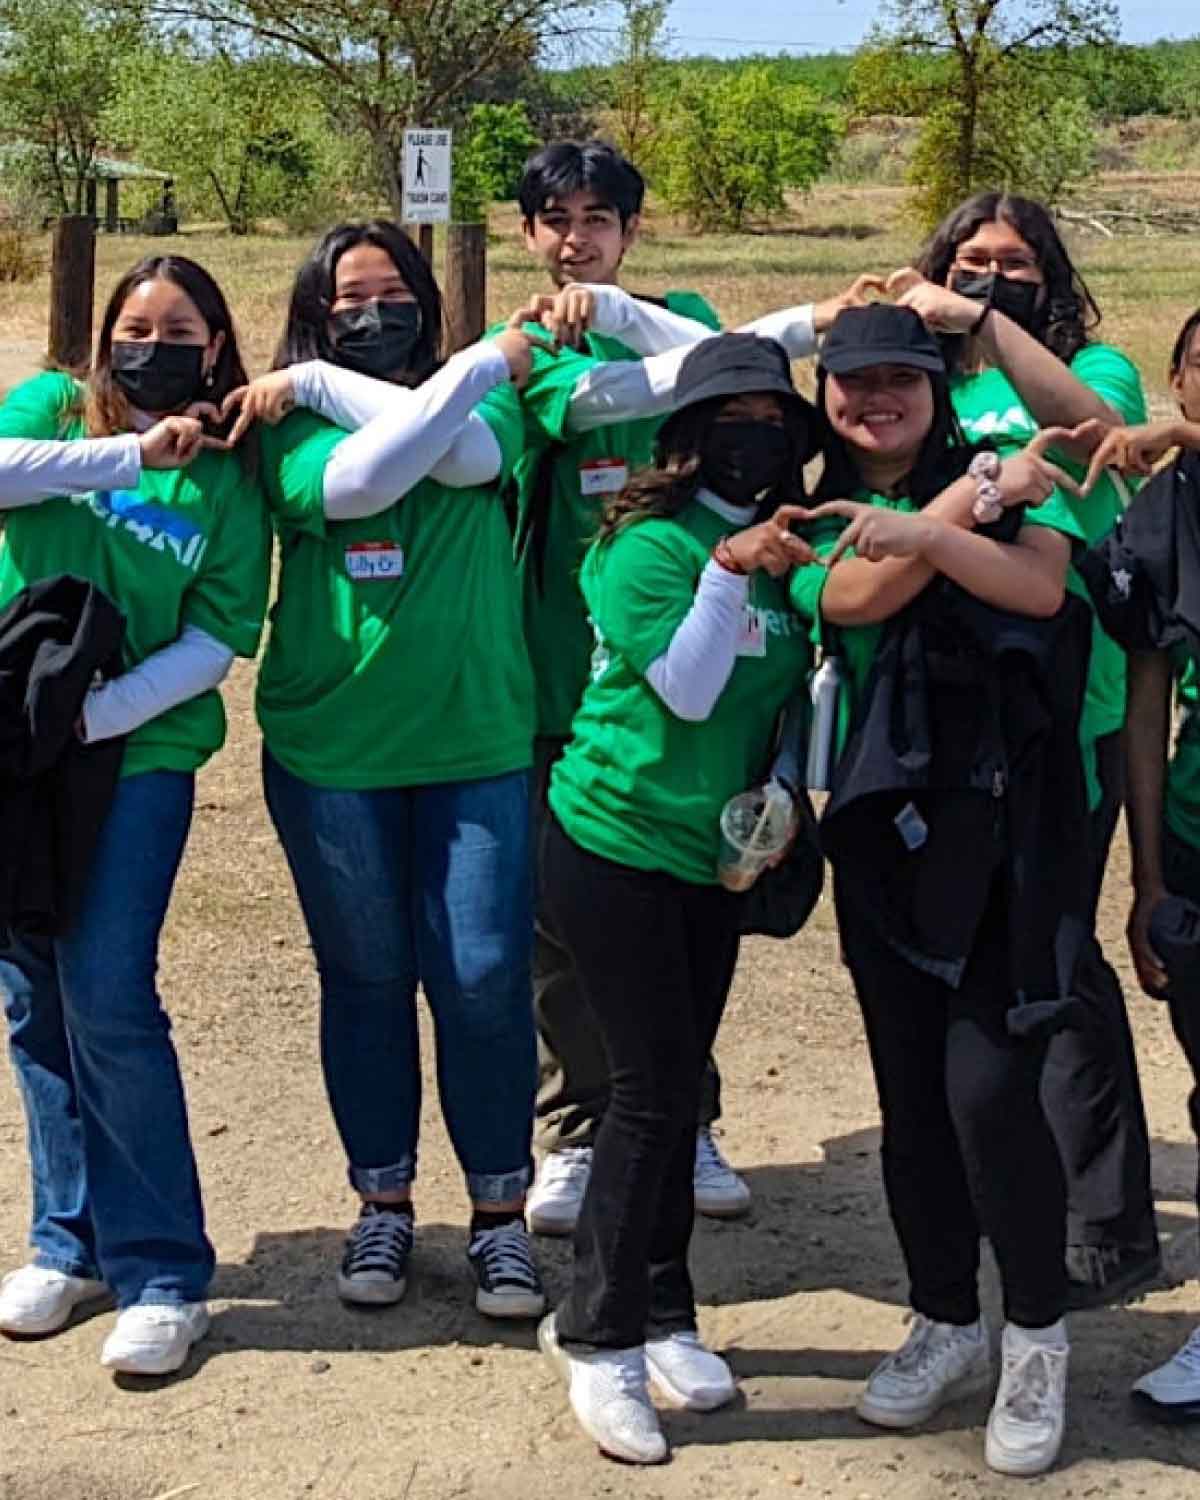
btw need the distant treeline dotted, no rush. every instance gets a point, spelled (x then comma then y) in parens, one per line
(1119, 81)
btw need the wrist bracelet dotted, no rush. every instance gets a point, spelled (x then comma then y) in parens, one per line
(724, 558)
(976, 327)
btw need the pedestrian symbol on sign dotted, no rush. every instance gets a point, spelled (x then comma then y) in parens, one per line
(427, 176)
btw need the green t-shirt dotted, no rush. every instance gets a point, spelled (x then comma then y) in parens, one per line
(990, 409)
(395, 656)
(186, 547)
(636, 784)
(857, 644)
(1182, 796)
(586, 469)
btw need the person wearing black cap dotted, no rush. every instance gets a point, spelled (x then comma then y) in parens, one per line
(942, 589)
(697, 651)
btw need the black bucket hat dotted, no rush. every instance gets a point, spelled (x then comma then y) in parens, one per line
(742, 364)
(880, 334)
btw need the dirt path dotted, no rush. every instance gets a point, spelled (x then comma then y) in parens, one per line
(294, 1396)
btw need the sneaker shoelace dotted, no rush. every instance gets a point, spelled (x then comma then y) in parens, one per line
(506, 1256)
(1030, 1378)
(709, 1161)
(566, 1166)
(379, 1241)
(626, 1375)
(1189, 1355)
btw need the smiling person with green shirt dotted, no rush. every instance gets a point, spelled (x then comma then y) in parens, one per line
(996, 279)
(396, 704)
(95, 481)
(580, 206)
(697, 652)
(936, 591)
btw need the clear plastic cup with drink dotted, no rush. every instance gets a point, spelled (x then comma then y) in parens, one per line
(755, 828)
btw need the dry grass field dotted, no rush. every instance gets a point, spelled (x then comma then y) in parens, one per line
(293, 1396)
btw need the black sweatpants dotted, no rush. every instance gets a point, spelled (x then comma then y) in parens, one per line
(654, 957)
(1181, 872)
(966, 1147)
(1091, 1091)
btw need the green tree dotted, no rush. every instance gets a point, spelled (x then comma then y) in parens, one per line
(489, 157)
(730, 142)
(242, 137)
(994, 83)
(57, 77)
(388, 64)
(636, 73)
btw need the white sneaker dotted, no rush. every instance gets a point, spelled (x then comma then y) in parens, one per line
(154, 1339)
(720, 1192)
(554, 1202)
(37, 1300)
(1025, 1429)
(936, 1362)
(687, 1374)
(1172, 1392)
(608, 1394)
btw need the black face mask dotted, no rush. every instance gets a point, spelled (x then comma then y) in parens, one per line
(1017, 300)
(376, 339)
(155, 376)
(739, 460)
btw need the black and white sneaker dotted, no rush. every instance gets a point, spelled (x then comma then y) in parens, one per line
(508, 1282)
(376, 1255)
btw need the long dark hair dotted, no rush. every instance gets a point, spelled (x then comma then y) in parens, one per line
(943, 457)
(106, 409)
(670, 484)
(1069, 310)
(306, 332)
(1183, 343)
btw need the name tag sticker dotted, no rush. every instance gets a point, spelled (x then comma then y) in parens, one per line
(752, 636)
(369, 561)
(603, 476)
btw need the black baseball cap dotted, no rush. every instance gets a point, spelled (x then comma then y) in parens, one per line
(735, 364)
(880, 334)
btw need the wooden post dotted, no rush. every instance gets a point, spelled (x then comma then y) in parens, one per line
(72, 289)
(425, 240)
(112, 211)
(464, 286)
(89, 206)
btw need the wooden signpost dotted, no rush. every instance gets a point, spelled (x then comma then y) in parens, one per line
(72, 289)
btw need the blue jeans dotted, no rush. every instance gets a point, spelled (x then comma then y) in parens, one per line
(115, 1191)
(429, 885)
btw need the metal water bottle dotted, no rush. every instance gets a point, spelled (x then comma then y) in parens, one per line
(825, 690)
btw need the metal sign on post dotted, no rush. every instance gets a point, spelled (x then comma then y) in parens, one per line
(427, 176)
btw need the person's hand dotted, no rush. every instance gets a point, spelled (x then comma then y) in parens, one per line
(771, 545)
(1152, 976)
(941, 309)
(873, 531)
(566, 315)
(517, 346)
(857, 294)
(1029, 478)
(1133, 450)
(173, 442)
(267, 399)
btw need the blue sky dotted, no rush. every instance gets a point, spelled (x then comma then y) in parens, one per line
(718, 28)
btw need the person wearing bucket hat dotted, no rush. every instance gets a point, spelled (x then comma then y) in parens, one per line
(933, 548)
(697, 652)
